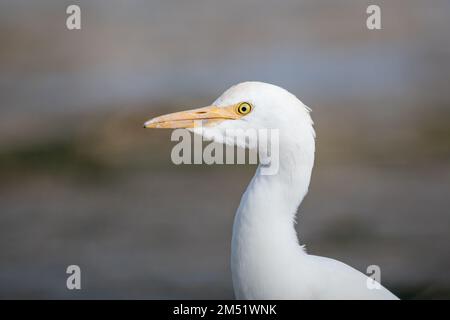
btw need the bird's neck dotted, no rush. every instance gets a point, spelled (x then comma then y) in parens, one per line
(271, 201)
(264, 237)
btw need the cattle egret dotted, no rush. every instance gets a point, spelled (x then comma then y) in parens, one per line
(267, 261)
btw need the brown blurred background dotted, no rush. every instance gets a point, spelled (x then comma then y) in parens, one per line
(82, 183)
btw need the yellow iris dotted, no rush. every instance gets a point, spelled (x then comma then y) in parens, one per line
(243, 108)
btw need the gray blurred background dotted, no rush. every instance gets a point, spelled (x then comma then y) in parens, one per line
(82, 183)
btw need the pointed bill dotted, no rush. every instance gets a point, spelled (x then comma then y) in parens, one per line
(194, 117)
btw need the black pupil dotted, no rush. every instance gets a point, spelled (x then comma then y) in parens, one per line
(244, 109)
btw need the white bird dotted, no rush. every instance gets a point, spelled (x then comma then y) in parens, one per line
(267, 261)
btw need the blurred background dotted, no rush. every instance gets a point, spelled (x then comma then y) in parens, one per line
(82, 183)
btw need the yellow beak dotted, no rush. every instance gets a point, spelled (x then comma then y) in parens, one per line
(191, 118)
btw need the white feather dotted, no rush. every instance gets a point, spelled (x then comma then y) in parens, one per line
(267, 261)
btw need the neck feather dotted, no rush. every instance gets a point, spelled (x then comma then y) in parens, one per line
(263, 233)
(276, 198)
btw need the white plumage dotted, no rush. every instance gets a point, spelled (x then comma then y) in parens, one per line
(267, 261)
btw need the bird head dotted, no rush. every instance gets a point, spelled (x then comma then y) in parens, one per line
(247, 106)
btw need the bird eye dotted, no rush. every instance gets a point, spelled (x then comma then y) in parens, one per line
(243, 108)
